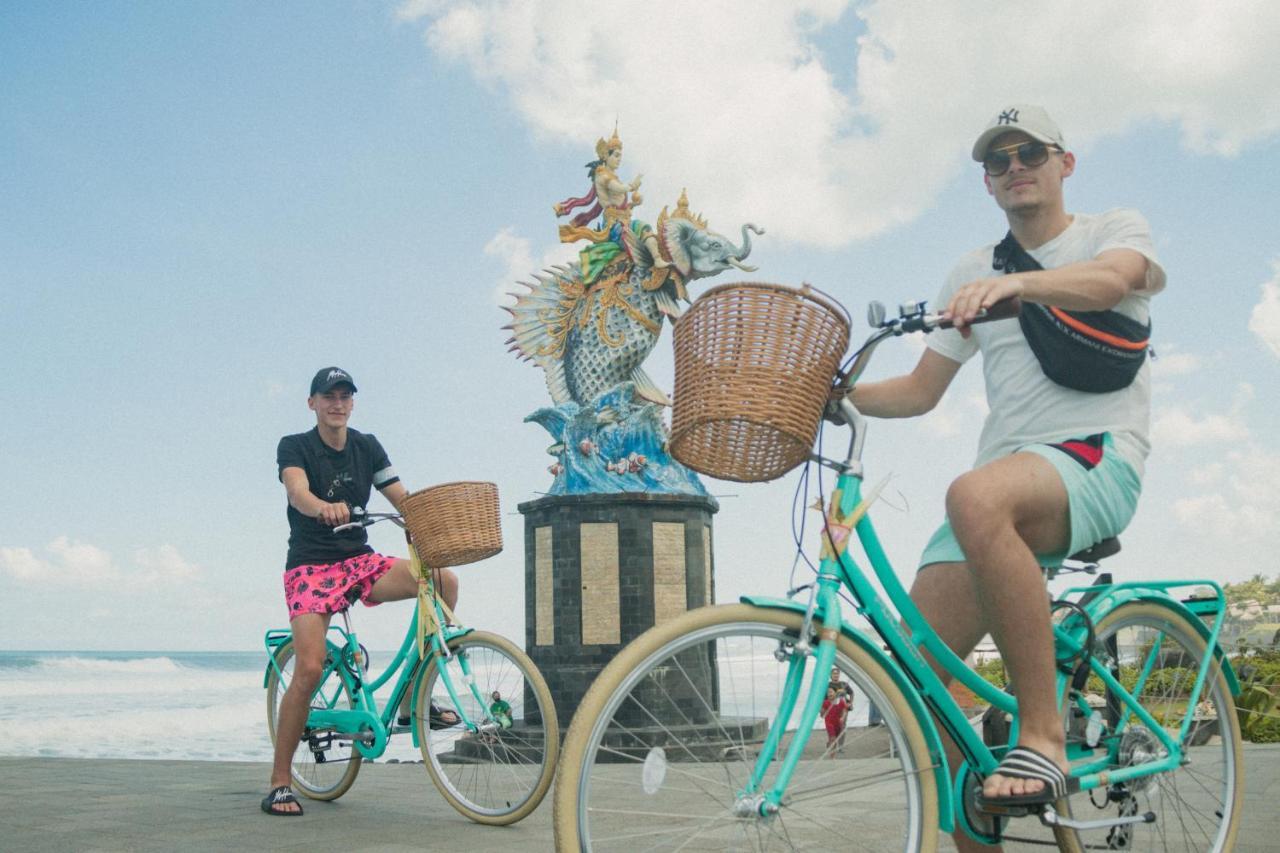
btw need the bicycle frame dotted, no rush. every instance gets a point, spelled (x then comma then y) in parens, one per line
(370, 729)
(907, 635)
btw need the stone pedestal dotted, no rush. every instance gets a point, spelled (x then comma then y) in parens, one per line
(602, 569)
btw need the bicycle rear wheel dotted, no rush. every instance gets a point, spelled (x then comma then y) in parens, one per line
(499, 774)
(324, 765)
(1198, 804)
(660, 751)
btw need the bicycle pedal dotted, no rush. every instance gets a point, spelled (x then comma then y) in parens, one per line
(1009, 811)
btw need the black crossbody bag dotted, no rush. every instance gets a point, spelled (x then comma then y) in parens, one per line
(1094, 351)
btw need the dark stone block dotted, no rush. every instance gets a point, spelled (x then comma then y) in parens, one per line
(568, 666)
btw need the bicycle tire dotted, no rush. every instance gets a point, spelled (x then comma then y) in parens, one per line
(1198, 805)
(495, 777)
(594, 798)
(324, 775)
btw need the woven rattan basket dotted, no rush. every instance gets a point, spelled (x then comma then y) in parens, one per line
(754, 365)
(454, 523)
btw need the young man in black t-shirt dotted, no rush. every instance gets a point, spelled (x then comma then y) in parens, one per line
(325, 472)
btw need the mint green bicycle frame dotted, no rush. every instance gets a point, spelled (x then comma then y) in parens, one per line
(370, 729)
(923, 689)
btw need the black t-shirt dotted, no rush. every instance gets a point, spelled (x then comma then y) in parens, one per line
(332, 475)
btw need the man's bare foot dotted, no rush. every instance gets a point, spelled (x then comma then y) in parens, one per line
(1021, 781)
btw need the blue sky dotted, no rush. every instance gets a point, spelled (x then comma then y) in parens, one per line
(202, 203)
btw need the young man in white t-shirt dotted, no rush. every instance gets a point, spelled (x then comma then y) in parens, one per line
(1058, 470)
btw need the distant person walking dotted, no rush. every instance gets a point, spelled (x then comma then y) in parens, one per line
(327, 471)
(835, 715)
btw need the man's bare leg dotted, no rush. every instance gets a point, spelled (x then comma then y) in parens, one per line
(946, 596)
(397, 585)
(309, 631)
(1002, 514)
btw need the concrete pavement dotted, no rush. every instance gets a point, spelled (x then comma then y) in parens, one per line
(62, 804)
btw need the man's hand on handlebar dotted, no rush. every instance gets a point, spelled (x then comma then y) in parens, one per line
(334, 514)
(913, 317)
(981, 295)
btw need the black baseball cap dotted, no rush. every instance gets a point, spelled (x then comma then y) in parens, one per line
(328, 377)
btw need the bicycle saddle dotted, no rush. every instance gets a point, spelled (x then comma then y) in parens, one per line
(1097, 553)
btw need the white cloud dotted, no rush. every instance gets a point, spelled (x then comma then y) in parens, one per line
(1170, 364)
(1177, 427)
(956, 414)
(1248, 504)
(516, 254)
(1207, 475)
(753, 114)
(162, 564)
(22, 565)
(80, 562)
(72, 562)
(1265, 319)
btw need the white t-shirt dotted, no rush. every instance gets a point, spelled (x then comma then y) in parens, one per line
(1027, 407)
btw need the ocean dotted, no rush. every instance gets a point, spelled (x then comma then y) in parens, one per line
(205, 706)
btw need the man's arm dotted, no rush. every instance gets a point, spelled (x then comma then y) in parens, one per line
(1094, 285)
(395, 493)
(301, 499)
(912, 394)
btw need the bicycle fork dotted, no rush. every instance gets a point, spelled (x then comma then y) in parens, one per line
(753, 800)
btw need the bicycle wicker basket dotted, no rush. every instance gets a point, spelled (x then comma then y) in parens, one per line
(454, 523)
(754, 365)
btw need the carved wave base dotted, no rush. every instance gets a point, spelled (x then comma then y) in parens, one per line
(615, 445)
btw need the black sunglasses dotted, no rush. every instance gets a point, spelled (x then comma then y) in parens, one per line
(1030, 154)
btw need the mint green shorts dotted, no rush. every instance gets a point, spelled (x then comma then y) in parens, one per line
(1102, 495)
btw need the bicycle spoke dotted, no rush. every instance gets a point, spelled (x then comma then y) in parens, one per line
(699, 796)
(1197, 801)
(493, 774)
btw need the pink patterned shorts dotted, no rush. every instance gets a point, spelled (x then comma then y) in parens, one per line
(333, 587)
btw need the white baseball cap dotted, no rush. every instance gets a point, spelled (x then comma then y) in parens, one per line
(1028, 118)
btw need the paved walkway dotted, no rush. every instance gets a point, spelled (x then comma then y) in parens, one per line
(62, 804)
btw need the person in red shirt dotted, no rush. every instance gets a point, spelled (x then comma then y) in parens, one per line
(835, 714)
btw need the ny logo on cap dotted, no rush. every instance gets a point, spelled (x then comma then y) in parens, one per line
(1008, 117)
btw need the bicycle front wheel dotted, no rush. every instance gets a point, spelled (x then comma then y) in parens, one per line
(1197, 805)
(500, 772)
(661, 750)
(324, 765)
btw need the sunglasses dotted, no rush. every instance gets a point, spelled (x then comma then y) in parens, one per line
(1030, 154)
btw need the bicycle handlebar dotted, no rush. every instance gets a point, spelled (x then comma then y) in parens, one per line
(914, 318)
(368, 519)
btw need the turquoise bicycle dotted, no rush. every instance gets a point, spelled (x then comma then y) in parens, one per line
(699, 734)
(494, 764)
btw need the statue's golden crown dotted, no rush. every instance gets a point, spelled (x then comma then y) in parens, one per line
(682, 212)
(604, 146)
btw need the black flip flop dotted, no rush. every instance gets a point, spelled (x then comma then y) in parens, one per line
(1023, 762)
(437, 719)
(279, 796)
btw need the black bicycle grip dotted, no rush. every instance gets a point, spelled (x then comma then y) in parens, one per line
(1003, 310)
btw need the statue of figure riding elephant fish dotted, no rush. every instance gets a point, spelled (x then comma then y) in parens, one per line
(590, 327)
